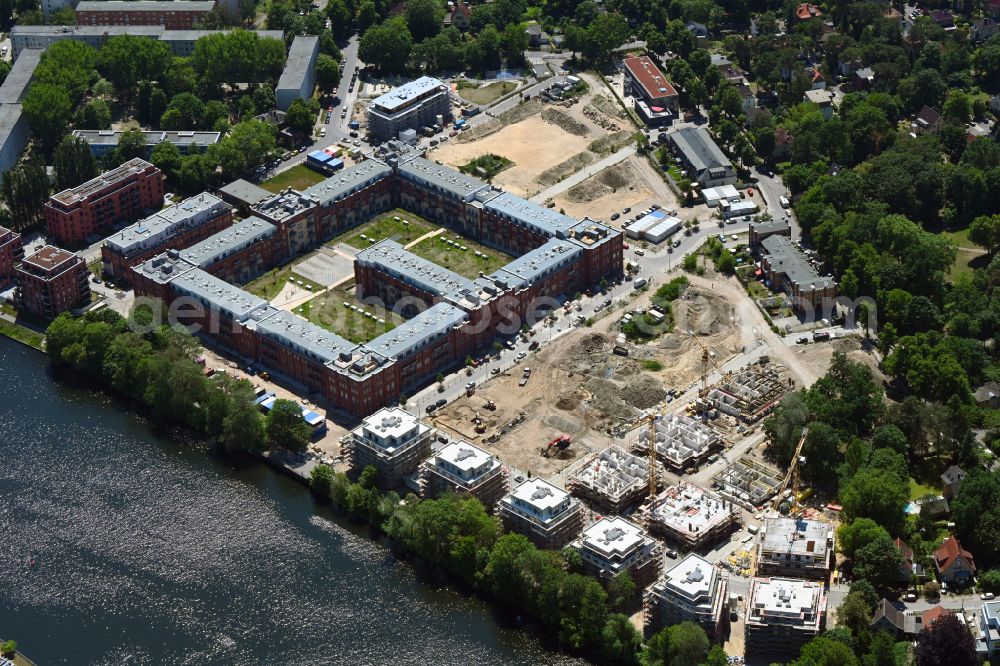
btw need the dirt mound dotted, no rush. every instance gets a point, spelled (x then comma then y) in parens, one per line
(702, 312)
(643, 392)
(564, 169)
(606, 400)
(568, 401)
(611, 143)
(566, 122)
(603, 183)
(607, 107)
(517, 114)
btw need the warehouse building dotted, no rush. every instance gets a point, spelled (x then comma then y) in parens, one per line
(550, 517)
(463, 469)
(410, 106)
(702, 156)
(783, 614)
(614, 546)
(393, 441)
(692, 518)
(795, 547)
(693, 590)
(713, 196)
(299, 76)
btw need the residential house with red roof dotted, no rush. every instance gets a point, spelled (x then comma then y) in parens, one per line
(953, 563)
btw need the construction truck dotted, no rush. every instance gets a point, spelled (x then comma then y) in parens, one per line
(560, 443)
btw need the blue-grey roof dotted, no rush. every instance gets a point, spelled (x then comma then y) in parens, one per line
(16, 84)
(163, 268)
(410, 336)
(301, 55)
(284, 205)
(157, 228)
(304, 337)
(545, 221)
(442, 178)
(393, 259)
(153, 137)
(210, 290)
(402, 95)
(226, 242)
(245, 191)
(784, 257)
(146, 6)
(539, 263)
(348, 181)
(699, 149)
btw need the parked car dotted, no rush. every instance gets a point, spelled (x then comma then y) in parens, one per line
(430, 409)
(988, 596)
(521, 354)
(441, 403)
(802, 341)
(615, 216)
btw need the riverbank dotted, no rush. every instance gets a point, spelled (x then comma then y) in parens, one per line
(22, 334)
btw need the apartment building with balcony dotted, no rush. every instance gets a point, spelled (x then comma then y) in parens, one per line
(461, 468)
(549, 516)
(52, 281)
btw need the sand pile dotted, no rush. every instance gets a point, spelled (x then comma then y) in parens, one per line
(644, 392)
(565, 121)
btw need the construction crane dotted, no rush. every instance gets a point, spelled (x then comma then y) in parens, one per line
(706, 357)
(652, 458)
(792, 477)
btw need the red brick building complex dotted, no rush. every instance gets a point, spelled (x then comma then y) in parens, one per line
(449, 316)
(120, 195)
(11, 252)
(52, 281)
(171, 14)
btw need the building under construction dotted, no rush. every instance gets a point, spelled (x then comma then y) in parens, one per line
(681, 441)
(612, 479)
(795, 547)
(549, 516)
(393, 441)
(464, 469)
(749, 394)
(748, 483)
(613, 546)
(692, 518)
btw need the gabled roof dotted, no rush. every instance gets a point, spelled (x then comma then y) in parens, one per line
(949, 552)
(953, 474)
(893, 615)
(936, 613)
(928, 116)
(807, 11)
(905, 551)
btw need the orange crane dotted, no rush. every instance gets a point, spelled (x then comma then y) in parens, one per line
(792, 477)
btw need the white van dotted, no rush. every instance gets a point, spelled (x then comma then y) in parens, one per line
(639, 284)
(784, 202)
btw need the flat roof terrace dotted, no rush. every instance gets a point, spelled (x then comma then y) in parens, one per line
(48, 260)
(399, 98)
(106, 179)
(455, 183)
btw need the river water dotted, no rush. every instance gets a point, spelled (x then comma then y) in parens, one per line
(150, 551)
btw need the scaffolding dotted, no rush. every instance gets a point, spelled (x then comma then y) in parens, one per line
(681, 441)
(749, 394)
(748, 483)
(612, 479)
(691, 517)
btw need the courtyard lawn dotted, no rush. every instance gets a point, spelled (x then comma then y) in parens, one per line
(406, 229)
(270, 284)
(299, 177)
(488, 93)
(490, 164)
(918, 490)
(464, 262)
(328, 311)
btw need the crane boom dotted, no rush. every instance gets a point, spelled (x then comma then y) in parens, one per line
(793, 470)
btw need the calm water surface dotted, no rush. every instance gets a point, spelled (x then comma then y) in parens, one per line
(149, 551)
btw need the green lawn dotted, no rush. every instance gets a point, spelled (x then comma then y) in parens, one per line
(454, 258)
(299, 177)
(961, 237)
(328, 311)
(96, 267)
(487, 93)
(21, 333)
(400, 225)
(490, 164)
(270, 284)
(918, 490)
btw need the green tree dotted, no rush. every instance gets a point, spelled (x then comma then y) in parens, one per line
(246, 147)
(890, 437)
(688, 644)
(184, 112)
(25, 190)
(976, 513)
(242, 426)
(95, 114)
(387, 45)
(320, 479)
(879, 562)
(131, 144)
(858, 533)
(8, 649)
(73, 163)
(367, 16)
(985, 231)
(300, 117)
(877, 494)
(854, 613)
(327, 72)
(621, 590)
(285, 426)
(48, 109)
(823, 651)
(126, 59)
(620, 642)
(821, 451)
(867, 592)
(423, 18)
(340, 17)
(990, 580)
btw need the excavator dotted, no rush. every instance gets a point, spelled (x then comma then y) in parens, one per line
(560, 443)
